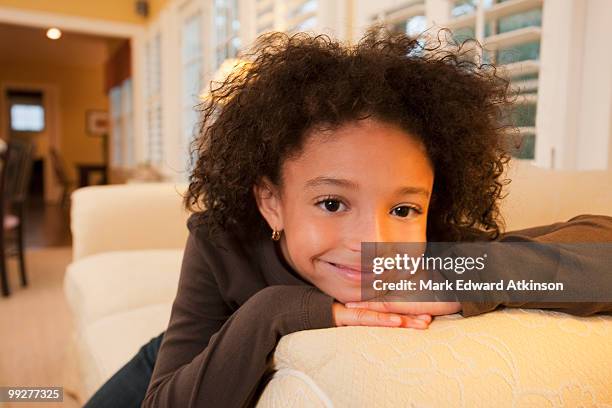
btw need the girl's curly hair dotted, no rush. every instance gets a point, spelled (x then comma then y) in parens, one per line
(255, 120)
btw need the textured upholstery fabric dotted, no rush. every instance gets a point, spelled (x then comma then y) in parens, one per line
(510, 357)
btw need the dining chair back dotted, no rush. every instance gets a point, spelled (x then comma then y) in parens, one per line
(17, 170)
(4, 153)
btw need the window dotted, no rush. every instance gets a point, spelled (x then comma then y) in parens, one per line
(290, 16)
(227, 29)
(409, 19)
(127, 111)
(264, 10)
(463, 8)
(116, 126)
(510, 32)
(27, 113)
(153, 101)
(27, 118)
(463, 13)
(191, 62)
(301, 15)
(413, 26)
(511, 36)
(121, 125)
(512, 39)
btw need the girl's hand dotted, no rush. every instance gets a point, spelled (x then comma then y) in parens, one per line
(344, 316)
(413, 308)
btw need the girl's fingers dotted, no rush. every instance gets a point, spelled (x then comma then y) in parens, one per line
(404, 308)
(415, 322)
(364, 317)
(377, 306)
(390, 307)
(424, 317)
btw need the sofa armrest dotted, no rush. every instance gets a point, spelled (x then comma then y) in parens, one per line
(128, 216)
(507, 358)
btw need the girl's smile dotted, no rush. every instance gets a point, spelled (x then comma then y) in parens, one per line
(366, 181)
(353, 273)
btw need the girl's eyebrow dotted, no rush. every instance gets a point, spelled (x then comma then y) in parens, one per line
(323, 180)
(413, 190)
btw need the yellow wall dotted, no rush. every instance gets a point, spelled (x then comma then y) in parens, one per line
(115, 10)
(155, 6)
(80, 89)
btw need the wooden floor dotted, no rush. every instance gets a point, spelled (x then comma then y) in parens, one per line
(47, 225)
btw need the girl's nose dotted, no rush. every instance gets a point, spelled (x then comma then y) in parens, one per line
(370, 229)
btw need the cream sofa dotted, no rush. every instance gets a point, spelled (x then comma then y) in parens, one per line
(127, 250)
(128, 243)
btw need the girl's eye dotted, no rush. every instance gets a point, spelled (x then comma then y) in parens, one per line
(403, 211)
(331, 205)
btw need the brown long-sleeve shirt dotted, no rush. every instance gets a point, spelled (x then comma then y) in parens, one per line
(234, 304)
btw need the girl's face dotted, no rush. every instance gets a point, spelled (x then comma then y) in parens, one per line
(367, 181)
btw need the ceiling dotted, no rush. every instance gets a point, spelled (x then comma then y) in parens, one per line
(28, 44)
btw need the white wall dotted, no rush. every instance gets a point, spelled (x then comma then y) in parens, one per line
(594, 137)
(575, 89)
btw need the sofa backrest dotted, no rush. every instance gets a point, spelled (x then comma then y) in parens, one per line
(539, 196)
(128, 216)
(150, 215)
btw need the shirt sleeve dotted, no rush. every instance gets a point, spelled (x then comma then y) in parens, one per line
(579, 229)
(212, 357)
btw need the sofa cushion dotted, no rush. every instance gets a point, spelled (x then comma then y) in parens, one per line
(514, 357)
(108, 343)
(103, 284)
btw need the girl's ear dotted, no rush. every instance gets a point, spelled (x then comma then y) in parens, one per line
(267, 196)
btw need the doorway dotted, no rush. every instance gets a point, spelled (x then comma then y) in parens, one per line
(26, 121)
(30, 113)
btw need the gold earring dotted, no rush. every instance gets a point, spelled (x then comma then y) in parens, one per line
(276, 235)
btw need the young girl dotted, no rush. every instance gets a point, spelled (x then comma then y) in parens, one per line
(313, 150)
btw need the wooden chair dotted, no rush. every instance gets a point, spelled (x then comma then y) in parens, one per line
(15, 183)
(4, 153)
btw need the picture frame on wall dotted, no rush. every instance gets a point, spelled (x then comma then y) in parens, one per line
(97, 122)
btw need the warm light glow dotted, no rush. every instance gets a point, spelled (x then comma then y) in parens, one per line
(54, 33)
(231, 66)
